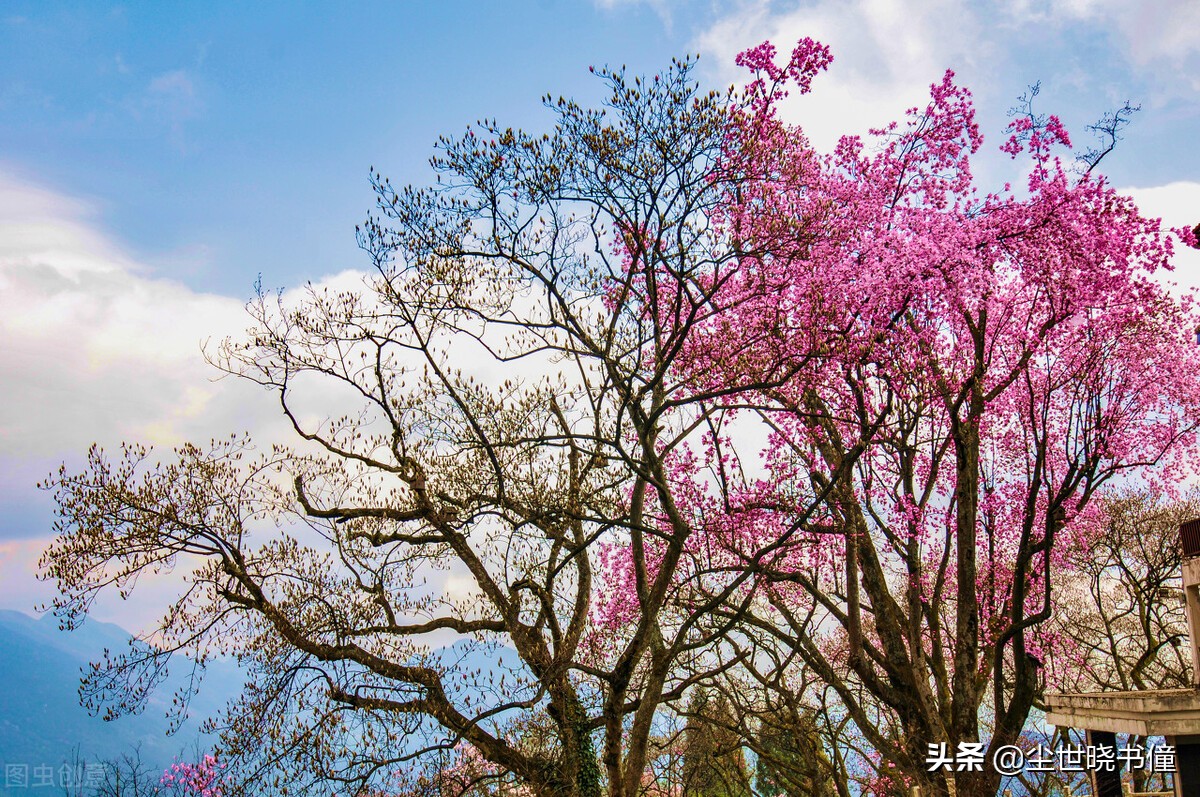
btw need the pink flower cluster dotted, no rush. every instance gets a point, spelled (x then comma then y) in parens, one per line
(204, 779)
(887, 303)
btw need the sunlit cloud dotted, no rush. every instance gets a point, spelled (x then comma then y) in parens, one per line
(886, 55)
(96, 348)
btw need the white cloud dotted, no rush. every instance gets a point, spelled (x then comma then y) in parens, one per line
(1178, 205)
(1159, 41)
(886, 55)
(94, 347)
(1163, 31)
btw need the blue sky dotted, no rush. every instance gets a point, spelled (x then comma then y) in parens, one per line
(155, 158)
(221, 140)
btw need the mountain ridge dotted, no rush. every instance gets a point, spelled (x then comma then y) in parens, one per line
(43, 724)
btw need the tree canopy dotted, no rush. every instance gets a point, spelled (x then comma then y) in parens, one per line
(662, 400)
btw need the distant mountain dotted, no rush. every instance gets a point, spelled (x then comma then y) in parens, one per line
(43, 727)
(42, 724)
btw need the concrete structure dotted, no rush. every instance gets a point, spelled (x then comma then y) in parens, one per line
(1155, 712)
(1173, 713)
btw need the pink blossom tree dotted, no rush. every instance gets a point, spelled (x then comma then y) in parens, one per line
(967, 371)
